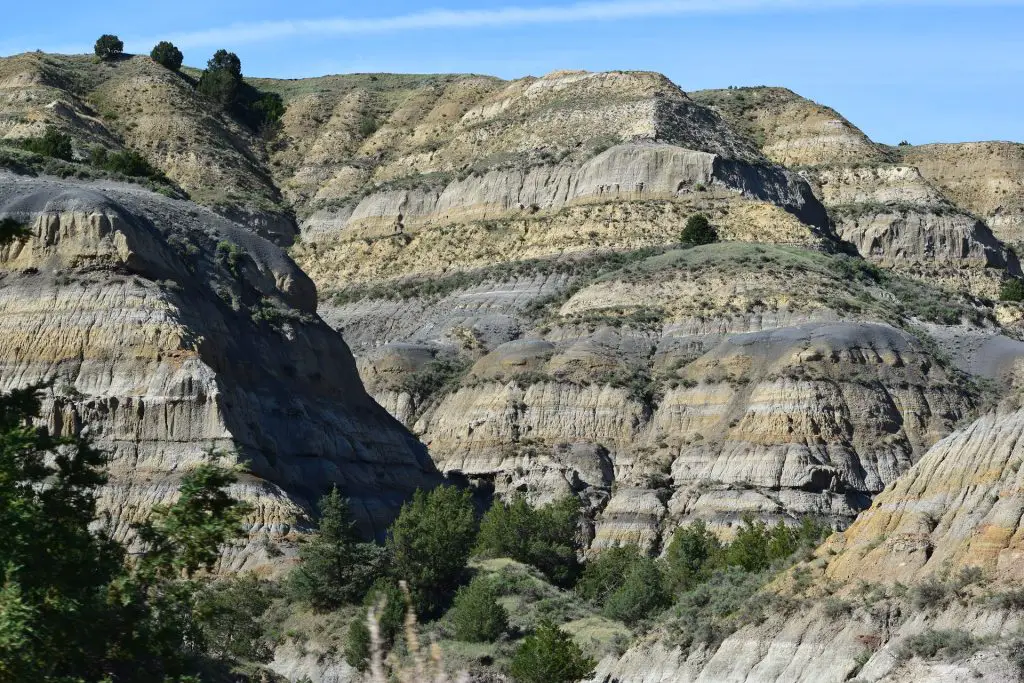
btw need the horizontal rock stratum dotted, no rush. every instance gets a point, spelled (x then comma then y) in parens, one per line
(169, 332)
(959, 507)
(506, 260)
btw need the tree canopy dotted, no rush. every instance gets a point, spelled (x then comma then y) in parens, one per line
(430, 543)
(699, 231)
(108, 46)
(167, 55)
(72, 607)
(335, 567)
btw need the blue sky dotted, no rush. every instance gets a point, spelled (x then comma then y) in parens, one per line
(920, 70)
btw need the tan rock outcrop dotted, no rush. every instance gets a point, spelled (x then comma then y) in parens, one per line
(958, 507)
(790, 129)
(134, 103)
(783, 407)
(169, 332)
(986, 178)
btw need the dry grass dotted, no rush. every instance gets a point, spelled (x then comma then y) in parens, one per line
(425, 665)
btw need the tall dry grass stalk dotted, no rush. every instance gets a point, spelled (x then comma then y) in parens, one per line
(424, 667)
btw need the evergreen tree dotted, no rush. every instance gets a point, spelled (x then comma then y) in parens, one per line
(749, 548)
(698, 231)
(222, 79)
(187, 536)
(544, 537)
(167, 55)
(476, 614)
(108, 46)
(335, 568)
(641, 595)
(54, 571)
(70, 608)
(606, 572)
(506, 528)
(692, 554)
(228, 612)
(430, 542)
(549, 655)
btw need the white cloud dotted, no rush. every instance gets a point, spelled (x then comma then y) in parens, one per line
(610, 10)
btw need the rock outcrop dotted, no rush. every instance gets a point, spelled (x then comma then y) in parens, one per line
(134, 103)
(957, 509)
(170, 332)
(697, 384)
(986, 178)
(905, 207)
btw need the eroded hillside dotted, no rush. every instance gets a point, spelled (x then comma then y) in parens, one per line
(504, 258)
(933, 562)
(175, 336)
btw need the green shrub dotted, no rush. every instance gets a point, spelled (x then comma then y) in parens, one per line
(108, 46)
(357, 643)
(1012, 290)
(130, 163)
(230, 256)
(544, 537)
(834, 608)
(640, 596)
(436, 378)
(167, 55)
(367, 126)
(606, 572)
(942, 644)
(429, 544)
(335, 568)
(476, 614)
(12, 231)
(712, 610)
(698, 231)
(387, 600)
(691, 555)
(53, 143)
(267, 110)
(930, 593)
(229, 613)
(549, 656)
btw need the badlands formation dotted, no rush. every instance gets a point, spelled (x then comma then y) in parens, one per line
(414, 277)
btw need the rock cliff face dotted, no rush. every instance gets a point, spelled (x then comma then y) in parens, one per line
(704, 383)
(503, 257)
(792, 130)
(172, 332)
(902, 207)
(958, 508)
(985, 178)
(134, 103)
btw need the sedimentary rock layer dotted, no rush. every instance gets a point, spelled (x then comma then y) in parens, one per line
(169, 332)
